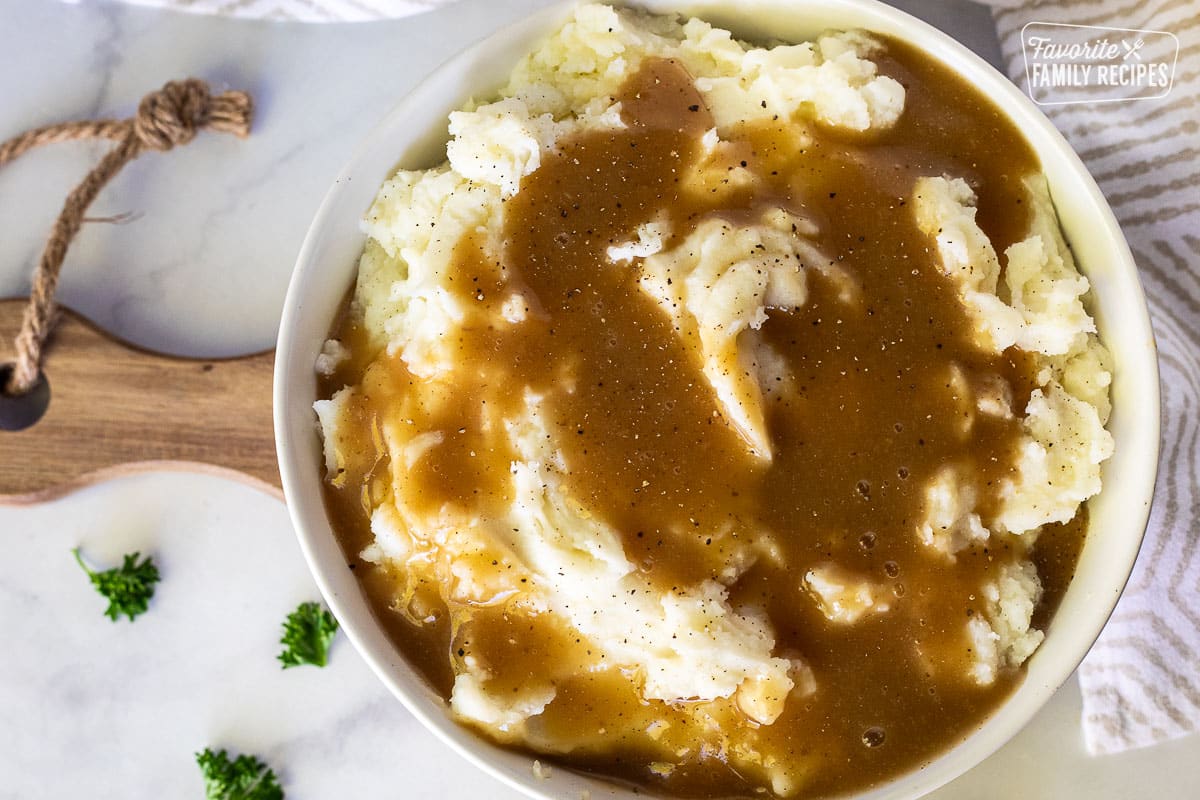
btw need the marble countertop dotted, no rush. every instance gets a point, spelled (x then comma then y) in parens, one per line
(96, 709)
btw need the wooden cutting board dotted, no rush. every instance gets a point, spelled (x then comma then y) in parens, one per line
(116, 408)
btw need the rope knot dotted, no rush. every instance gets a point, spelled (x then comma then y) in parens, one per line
(168, 117)
(172, 115)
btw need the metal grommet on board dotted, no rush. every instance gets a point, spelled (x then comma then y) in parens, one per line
(18, 412)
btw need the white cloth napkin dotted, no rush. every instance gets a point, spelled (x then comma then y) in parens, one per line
(1141, 681)
(300, 10)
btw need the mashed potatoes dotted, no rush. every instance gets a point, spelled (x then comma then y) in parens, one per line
(460, 434)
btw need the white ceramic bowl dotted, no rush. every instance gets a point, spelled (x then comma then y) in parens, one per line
(413, 136)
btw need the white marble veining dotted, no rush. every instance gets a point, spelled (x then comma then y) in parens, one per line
(97, 709)
(89, 708)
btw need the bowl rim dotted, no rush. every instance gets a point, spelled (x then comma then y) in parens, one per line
(313, 529)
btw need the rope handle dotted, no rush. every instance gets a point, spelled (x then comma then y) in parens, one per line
(165, 118)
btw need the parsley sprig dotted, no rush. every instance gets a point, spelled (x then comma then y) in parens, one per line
(307, 633)
(243, 778)
(128, 588)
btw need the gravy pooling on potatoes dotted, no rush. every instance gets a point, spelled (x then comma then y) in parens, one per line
(863, 423)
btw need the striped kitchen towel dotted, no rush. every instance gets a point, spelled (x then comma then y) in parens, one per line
(1141, 681)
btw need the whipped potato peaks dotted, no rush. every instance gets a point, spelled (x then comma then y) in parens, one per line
(713, 404)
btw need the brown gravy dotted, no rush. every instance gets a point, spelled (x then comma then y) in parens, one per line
(867, 424)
